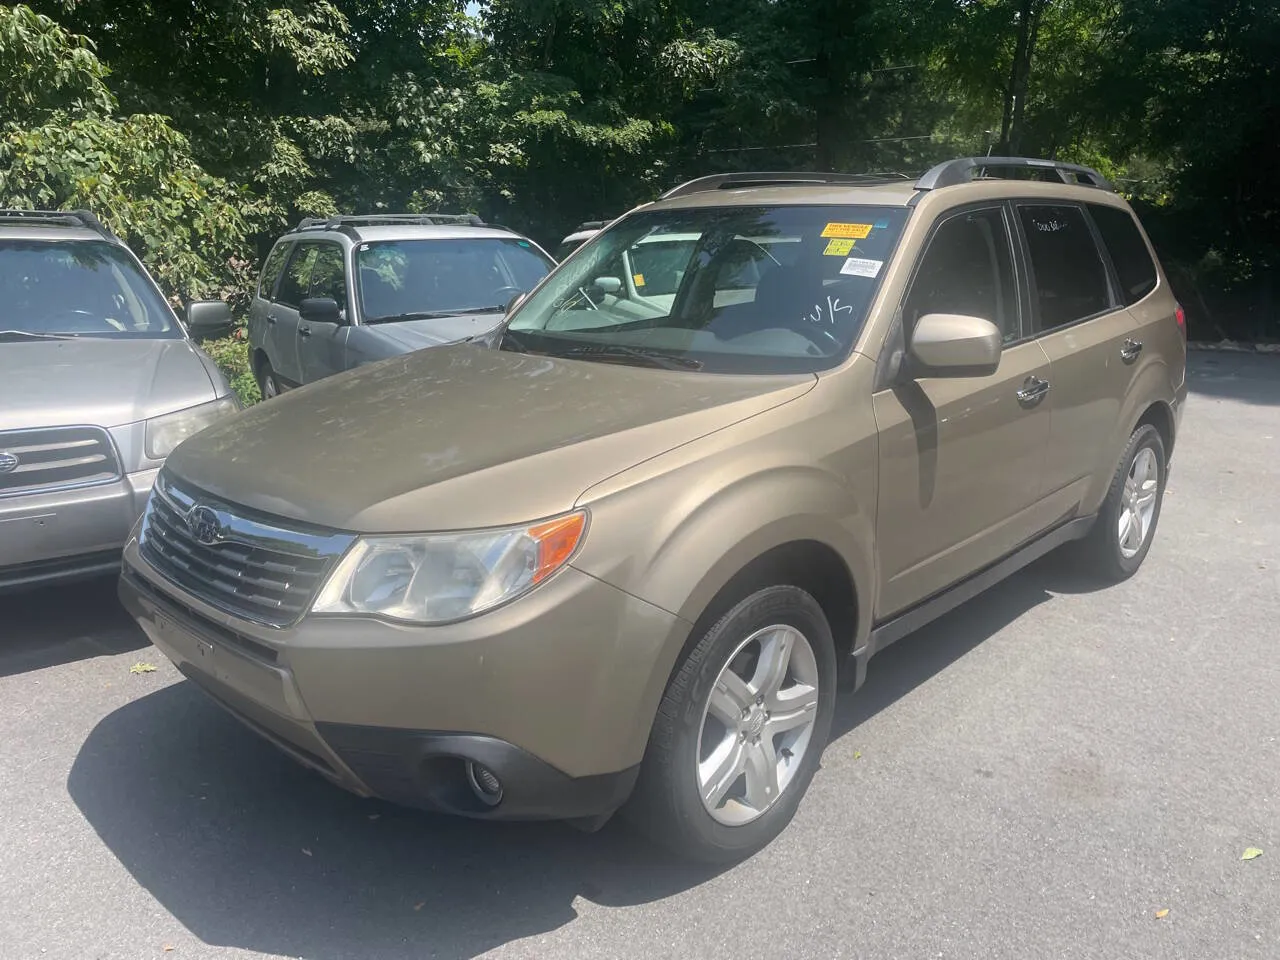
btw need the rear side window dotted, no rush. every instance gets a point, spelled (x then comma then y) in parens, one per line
(1070, 278)
(1129, 253)
(271, 270)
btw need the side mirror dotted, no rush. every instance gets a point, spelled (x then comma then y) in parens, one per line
(320, 310)
(951, 345)
(514, 302)
(208, 319)
(607, 284)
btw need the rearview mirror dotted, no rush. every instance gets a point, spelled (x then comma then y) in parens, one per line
(320, 310)
(208, 319)
(951, 345)
(607, 284)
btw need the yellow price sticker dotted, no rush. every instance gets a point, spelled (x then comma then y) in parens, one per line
(838, 248)
(848, 231)
(638, 278)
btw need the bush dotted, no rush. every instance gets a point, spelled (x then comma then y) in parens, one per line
(231, 354)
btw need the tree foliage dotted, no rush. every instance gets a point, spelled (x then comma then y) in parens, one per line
(202, 128)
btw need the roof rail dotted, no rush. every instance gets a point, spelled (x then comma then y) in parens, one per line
(731, 181)
(966, 169)
(389, 220)
(591, 225)
(69, 218)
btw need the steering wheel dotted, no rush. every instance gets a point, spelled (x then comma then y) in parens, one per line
(510, 292)
(71, 320)
(820, 337)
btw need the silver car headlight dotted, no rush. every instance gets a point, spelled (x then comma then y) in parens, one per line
(165, 433)
(438, 578)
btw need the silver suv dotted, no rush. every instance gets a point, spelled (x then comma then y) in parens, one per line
(347, 291)
(99, 381)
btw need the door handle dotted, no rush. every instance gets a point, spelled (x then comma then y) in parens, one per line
(1033, 391)
(304, 331)
(271, 319)
(1129, 352)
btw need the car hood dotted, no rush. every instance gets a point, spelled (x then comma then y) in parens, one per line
(409, 335)
(461, 437)
(98, 381)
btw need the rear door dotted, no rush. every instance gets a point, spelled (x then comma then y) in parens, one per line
(322, 346)
(1083, 326)
(961, 458)
(263, 332)
(284, 312)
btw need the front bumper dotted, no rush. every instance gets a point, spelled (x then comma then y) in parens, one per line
(69, 534)
(554, 693)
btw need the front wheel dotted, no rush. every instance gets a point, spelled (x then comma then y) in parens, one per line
(740, 730)
(1126, 525)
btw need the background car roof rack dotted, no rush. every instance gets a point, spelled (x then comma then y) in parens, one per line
(731, 181)
(391, 220)
(967, 169)
(69, 218)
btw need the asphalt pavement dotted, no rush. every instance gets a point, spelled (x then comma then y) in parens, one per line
(1037, 775)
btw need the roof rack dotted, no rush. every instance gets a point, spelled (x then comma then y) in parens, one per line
(732, 181)
(591, 225)
(967, 169)
(69, 218)
(390, 220)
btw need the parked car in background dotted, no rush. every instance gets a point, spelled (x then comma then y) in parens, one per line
(99, 381)
(583, 233)
(347, 291)
(611, 563)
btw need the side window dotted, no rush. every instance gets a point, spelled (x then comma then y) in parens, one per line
(968, 269)
(328, 278)
(1129, 253)
(271, 270)
(297, 275)
(1070, 278)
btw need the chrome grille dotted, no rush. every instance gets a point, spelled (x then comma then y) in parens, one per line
(33, 461)
(251, 567)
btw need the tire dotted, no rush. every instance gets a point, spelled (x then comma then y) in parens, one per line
(689, 738)
(268, 385)
(1105, 552)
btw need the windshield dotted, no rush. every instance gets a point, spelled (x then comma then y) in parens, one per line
(400, 279)
(725, 289)
(78, 288)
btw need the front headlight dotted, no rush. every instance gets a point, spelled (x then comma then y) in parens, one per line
(165, 433)
(436, 578)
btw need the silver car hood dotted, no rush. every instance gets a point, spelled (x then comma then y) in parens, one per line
(100, 381)
(410, 335)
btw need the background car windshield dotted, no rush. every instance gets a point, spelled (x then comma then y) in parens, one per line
(446, 276)
(86, 288)
(725, 289)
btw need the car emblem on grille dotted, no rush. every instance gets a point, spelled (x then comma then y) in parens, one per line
(8, 462)
(204, 525)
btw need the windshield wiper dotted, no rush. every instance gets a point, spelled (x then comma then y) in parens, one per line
(664, 361)
(28, 335)
(430, 315)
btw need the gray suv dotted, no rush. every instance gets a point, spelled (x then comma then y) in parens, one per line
(99, 381)
(338, 293)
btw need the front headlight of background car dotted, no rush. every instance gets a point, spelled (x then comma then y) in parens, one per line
(165, 433)
(436, 578)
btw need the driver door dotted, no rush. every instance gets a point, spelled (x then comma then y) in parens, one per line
(961, 458)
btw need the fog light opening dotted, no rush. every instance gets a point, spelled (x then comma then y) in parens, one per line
(484, 784)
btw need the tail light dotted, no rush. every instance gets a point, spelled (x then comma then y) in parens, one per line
(1181, 316)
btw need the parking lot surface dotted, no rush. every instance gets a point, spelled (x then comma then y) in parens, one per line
(1038, 774)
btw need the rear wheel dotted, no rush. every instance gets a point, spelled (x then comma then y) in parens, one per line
(740, 730)
(1121, 538)
(267, 382)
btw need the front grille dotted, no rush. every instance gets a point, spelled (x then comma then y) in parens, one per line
(251, 567)
(33, 461)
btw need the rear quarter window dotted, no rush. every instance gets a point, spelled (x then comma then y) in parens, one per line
(1129, 252)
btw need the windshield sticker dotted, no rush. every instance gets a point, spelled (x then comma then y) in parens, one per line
(857, 267)
(838, 248)
(848, 231)
(882, 224)
(638, 279)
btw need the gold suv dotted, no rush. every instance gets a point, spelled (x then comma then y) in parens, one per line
(621, 553)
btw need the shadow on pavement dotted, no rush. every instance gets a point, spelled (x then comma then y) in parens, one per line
(1249, 377)
(248, 850)
(63, 624)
